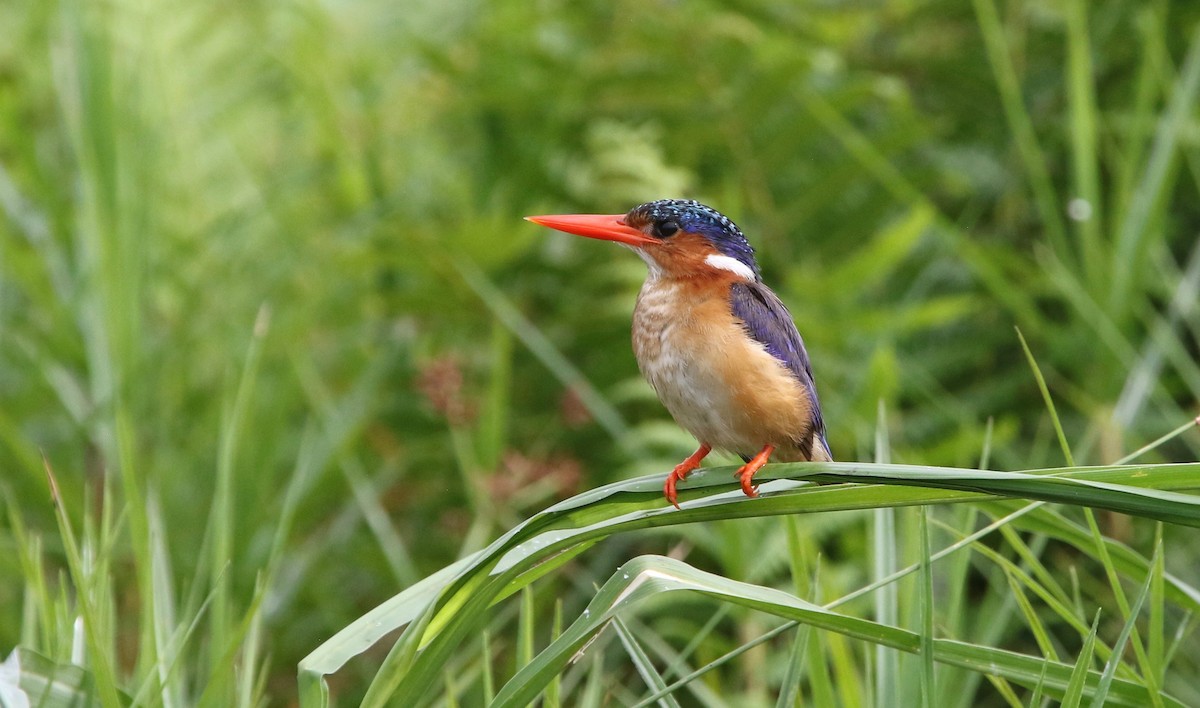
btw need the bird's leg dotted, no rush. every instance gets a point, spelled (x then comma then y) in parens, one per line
(746, 471)
(681, 471)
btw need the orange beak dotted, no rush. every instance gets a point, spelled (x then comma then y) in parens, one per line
(609, 227)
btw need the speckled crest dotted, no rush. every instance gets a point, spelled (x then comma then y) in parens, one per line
(698, 218)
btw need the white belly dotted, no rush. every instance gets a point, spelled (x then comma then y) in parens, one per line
(718, 384)
(688, 379)
(695, 395)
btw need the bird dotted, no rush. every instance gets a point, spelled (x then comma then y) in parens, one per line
(718, 346)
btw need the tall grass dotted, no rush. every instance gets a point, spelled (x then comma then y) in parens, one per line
(275, 346)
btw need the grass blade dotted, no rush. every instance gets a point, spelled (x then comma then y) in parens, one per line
(1110, 668)
(645, 667)
(1128, 254)
(789, 689)
(648, 576)
(925, 600)
(483, 578)
(1020, 123)
(1075, 687)
(1085, 205)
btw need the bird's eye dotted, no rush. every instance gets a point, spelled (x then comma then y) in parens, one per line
(666, 229)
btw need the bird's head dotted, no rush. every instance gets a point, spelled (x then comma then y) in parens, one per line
(676, 238)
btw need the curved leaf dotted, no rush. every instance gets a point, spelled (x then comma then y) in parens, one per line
(462, 591)
(649, 576)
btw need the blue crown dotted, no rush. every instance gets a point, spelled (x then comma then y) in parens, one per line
(697, 218)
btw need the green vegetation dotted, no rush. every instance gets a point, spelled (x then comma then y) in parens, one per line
(276, 349)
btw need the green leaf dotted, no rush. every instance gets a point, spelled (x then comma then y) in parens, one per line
(1079, 674)
(650, 576)
(463, 590)
(48, 684)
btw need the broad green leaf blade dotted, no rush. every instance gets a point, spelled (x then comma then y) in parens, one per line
(648, 576)
(637, 504)
(50, 684)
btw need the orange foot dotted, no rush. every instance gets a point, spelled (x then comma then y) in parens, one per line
(746, 471)
(681, 471)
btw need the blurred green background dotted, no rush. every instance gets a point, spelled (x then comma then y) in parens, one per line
(258, 249)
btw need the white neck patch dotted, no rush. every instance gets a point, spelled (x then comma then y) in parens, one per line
(655, 268)
(732, 265)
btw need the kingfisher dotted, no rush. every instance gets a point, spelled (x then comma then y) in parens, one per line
(717, 345)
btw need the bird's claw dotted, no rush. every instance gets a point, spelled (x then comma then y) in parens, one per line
(669, 486)
(747, 488)
(746, 472)
(682, 470)
(677, 475)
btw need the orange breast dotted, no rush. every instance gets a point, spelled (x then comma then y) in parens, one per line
(718, 383)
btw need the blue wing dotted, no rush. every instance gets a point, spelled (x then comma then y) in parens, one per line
(768, 321)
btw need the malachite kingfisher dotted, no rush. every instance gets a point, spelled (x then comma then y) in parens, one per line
(717, 345)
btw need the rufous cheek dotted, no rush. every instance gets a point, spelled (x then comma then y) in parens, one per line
(682, 254)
